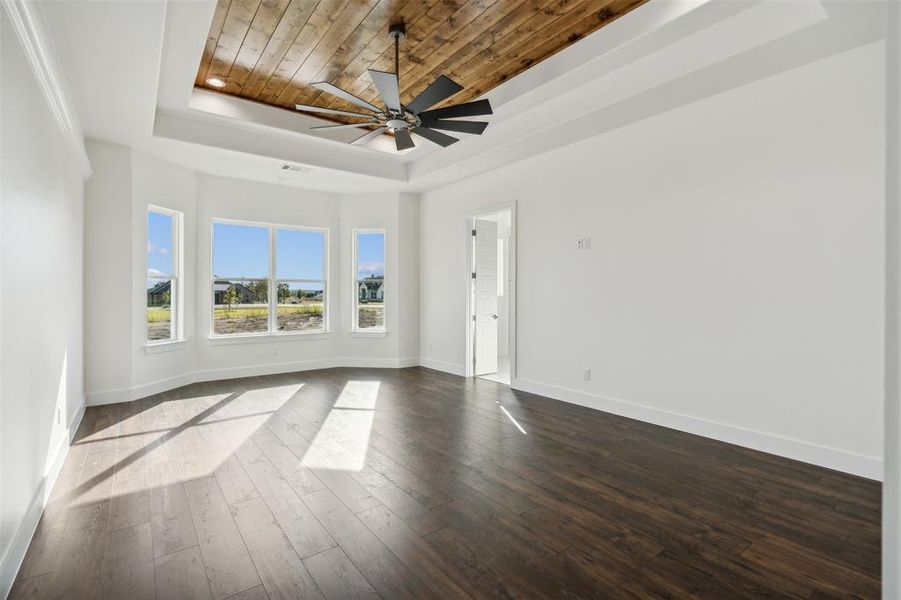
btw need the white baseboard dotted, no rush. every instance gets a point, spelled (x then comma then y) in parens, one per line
(15, 553)
(831, 458)
(164, 385)
(440, 365)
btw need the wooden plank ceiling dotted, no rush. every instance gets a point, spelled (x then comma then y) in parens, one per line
(271, 50)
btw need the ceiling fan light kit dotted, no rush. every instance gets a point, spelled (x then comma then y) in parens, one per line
(400, 119)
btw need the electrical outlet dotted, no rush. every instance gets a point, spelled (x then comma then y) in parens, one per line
(583, 243)
(586, 374)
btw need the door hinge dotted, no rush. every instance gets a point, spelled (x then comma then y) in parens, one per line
(473, 275)
(473, 318)
(473, 232)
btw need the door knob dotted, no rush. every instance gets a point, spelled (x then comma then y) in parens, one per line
(493, 316)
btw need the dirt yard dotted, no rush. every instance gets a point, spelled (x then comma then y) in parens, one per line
(371, 316)
(255, 320)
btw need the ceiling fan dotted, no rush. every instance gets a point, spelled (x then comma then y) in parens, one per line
(403, 119)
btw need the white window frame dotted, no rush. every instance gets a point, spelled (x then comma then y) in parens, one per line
(176, 288)
(355, 304)
(272, 322)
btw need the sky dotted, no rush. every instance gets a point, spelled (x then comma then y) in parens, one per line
(159, 244)
(243, 251)
(370, 254)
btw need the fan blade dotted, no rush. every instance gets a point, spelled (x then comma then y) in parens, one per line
(476, 127)
(336, 91)
(403, 140)
(330, 111)
(440, 89)
(470, 109)
(387, 85)
(348, 126)
(442, 139)
(365, 139)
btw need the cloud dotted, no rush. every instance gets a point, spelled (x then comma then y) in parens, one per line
(156, 274)
(151, 247)
(371, 268)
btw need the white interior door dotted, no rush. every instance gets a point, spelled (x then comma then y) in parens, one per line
(485, 296)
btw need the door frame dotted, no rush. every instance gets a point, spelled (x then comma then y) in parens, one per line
(484, 211)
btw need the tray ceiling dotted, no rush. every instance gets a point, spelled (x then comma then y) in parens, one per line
(271, 50)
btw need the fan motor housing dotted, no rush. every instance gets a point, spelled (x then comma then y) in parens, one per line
(397, 31)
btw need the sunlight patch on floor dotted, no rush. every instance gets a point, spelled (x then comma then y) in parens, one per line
(341, 442)
(184, 439)
(514, 421)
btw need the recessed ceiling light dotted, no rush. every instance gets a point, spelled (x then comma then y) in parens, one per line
(215, 82)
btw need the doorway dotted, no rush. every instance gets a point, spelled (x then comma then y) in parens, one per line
(490, 305)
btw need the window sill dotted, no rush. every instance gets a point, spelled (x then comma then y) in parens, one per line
(266, 338)
(164, 346)
(369, 334)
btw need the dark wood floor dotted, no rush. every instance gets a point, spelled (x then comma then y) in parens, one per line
(352, 483)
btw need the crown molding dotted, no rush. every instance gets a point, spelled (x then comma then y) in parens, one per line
(26, 21)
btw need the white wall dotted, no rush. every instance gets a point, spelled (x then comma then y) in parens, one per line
(41, 388)
(120, 368)
(734, 285)
(108, 269)
(891, 488)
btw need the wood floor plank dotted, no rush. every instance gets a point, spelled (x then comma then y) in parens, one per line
(228, 564)
(281, 569)
(33, 588)
(305, 533)
(380, 567)
(288, 463)
(415, 514)
(182, 575)
(480, 577)
(207, 486)
(234, 482)
(413, 551)
(128, 566)
(171, 523)
(78, 571)
(338, 578)
(257, 593)
(41, 555)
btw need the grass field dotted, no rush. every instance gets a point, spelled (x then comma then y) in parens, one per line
(247, 312)
(157, 314)
(254, 318)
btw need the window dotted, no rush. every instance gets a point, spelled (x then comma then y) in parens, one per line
(300, 277)
(163, 284)
(369, 269)
(268, 279)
